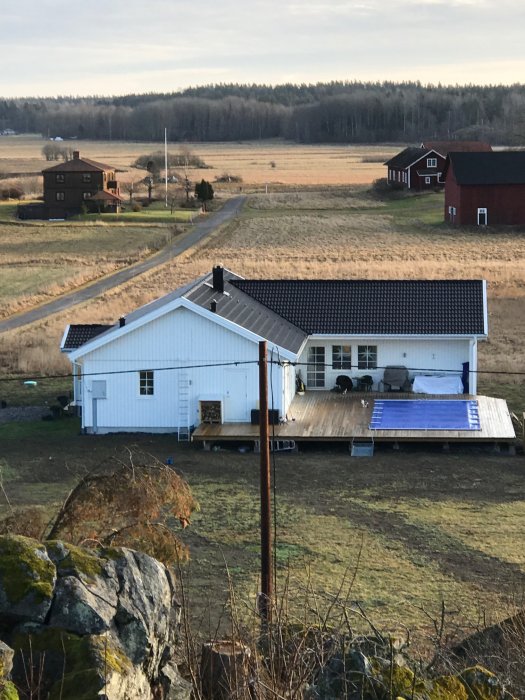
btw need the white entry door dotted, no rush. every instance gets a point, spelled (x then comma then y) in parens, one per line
(482, 216)
(236, 407)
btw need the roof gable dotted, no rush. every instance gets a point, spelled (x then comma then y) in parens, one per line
(79, 165)
(375, 307)
(407, 157)
(494, 168)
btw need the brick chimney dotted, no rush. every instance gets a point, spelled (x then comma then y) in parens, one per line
(76, 155)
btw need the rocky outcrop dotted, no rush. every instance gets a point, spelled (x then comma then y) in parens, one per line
(92, 623)
(373, 669)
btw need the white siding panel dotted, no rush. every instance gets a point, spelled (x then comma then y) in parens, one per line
(176, 340)
(421, 356)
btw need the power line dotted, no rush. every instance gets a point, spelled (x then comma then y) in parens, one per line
(206, 365)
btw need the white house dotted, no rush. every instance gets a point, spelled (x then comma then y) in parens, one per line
(192, 355)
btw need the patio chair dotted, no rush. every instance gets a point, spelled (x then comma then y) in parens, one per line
(365, 383)
(344, 383)
(395, 377)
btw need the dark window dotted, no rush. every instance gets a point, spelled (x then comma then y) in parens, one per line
(60, 196)
(367, 357)
(86, 195)
(341, 357)
(60, 178)
(146, 382)
(86, 177)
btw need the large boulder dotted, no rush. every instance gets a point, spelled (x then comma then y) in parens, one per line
(92, 623)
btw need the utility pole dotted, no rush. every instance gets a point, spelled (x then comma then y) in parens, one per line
(265, 597)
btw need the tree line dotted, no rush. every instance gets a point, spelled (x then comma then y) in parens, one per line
(337, 112)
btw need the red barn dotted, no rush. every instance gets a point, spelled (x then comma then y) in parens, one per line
(483, 189)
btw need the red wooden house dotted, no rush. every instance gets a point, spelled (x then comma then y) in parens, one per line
(485, 188)
(415, 169)
(422, 168)
(71, 185)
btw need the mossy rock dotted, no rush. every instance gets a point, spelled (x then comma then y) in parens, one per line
(77, 561)
(74, 666)
(8, 691)
(446, 688)
(27, 578)
(481, 684)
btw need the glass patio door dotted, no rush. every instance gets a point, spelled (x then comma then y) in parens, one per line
(315, 371)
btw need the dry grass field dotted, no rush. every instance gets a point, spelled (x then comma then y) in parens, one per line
(332, 233)
(273, 163)
(407, 529)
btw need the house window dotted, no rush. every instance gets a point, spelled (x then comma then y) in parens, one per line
(482, 216)
(367, 357)
(86, 177)
(427, 181)
(60, 196)
(146, 382)
(86, 195)
(341, 357)
(432, 163)
(315, 367)
(60, 178)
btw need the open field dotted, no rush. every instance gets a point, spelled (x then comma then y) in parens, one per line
(347, 232)
(39, 261)
(413, 526)
(293, 164)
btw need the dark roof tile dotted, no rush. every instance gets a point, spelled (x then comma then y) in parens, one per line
(374, 307)
(494, 168)
(79, 334)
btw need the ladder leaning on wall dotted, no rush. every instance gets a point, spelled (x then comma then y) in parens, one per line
(183, 422)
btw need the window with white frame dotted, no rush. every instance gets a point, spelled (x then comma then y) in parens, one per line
(367, 357)
(60, 178)
(86, 177)
(341, 357)
(146, 384)
(60, 196)
(86, 195)
(427, 181)
(432, 162)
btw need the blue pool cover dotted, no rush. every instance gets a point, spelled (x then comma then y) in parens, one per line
(425, 415)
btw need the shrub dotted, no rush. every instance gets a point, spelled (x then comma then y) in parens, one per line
(13, 192)
(137, 206)
(226, 177)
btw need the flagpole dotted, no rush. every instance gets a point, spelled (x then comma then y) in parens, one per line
(166, 162)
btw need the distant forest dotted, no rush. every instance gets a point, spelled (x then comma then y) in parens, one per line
(336, 112)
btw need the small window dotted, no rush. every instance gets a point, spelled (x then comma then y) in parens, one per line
(86, 195)
(367, 357)
(60, 196)
(146, 382)
(341, 357)
(86, 177)
(432, 163)
(427, 181)
(60, 178)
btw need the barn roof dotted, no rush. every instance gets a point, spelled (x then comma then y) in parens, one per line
(445, 147)
(494, 168)
(375, 307)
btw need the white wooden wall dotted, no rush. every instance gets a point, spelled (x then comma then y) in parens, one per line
(177, 339)
(429, 356)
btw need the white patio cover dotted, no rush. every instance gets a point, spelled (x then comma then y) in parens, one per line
(432, 384)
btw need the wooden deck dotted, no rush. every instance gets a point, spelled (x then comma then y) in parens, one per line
(328, 416)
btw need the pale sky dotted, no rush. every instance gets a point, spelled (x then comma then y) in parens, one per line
(110, 47)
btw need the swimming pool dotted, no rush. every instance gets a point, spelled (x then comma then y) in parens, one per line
(431, 414)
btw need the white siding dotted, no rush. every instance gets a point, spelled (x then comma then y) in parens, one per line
(177, 339)
(419, 355)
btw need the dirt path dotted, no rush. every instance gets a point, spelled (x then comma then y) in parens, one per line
(199, 231)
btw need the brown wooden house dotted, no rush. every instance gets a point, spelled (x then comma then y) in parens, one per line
(421, 168)
(485, 189)
(71, 185)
